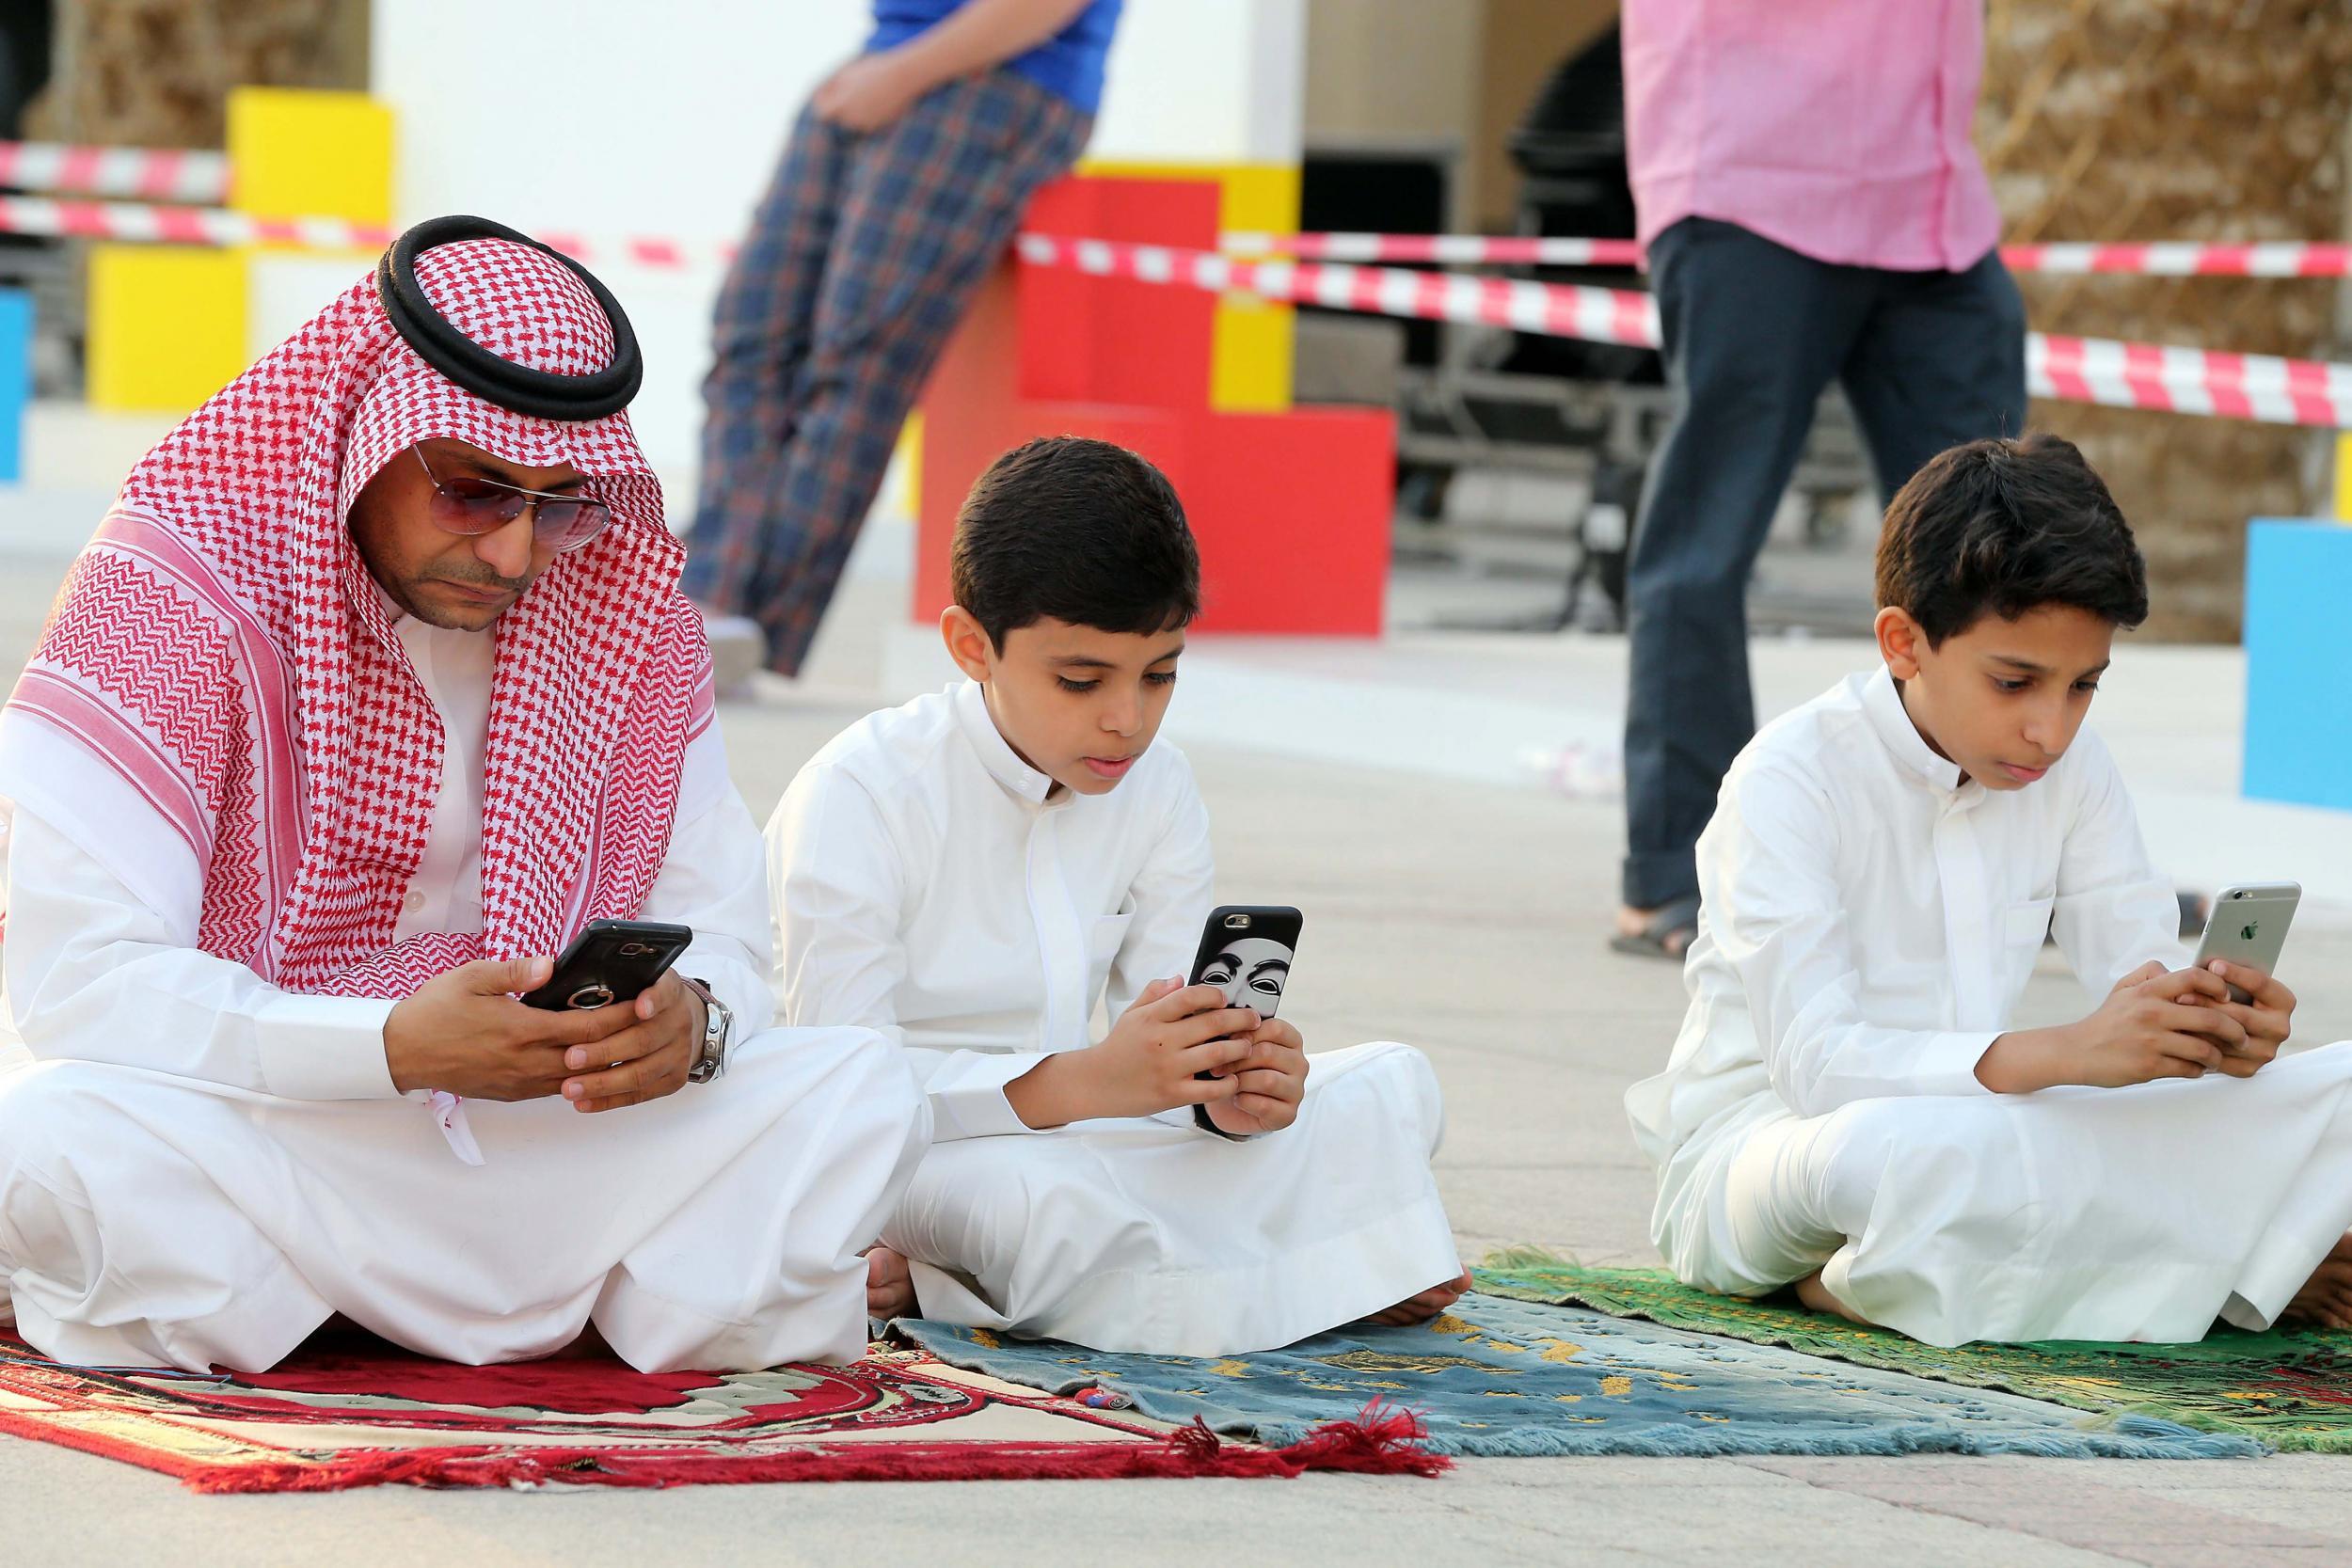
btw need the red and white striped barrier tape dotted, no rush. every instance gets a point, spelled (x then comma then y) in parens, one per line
(1561, 309)
(639, 250)
(214, 226)
(2129, 376)
(2080, 369)
(2187, 258)
(150, 174)
(137, 223)
(204, 176)
(2190, 380)
(2166, 258)
(1451, 250)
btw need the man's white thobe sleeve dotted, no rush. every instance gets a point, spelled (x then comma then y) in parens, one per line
(97, 974)
(2114, 912)
(1771, 907)
(837, 885)
(713, 880)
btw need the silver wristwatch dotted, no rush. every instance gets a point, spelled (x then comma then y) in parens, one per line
(717, 1024)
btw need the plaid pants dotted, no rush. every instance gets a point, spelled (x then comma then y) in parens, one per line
(860, 263)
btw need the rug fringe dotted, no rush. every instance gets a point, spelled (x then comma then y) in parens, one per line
(1381, 1440)
(2153, 1440)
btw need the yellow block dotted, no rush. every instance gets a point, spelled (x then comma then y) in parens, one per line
(1250, 369)
(911, 455)
(167, 325)
(294, 152)
(2343, 476)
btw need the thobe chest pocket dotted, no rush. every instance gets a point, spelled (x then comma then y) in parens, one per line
(2025, 925)
(2022, 929)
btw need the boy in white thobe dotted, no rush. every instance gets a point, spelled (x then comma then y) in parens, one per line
(972, 873)
(1849, 1109)
(372, 689)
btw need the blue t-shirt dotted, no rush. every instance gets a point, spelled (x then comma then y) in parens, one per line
(1069, 63)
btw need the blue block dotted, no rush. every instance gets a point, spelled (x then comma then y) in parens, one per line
(2299, 663)
(16, 378)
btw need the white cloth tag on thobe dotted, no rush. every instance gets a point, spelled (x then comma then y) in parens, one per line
(450, 1112)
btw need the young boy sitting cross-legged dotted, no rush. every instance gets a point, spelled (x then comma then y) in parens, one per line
(970, 873)
(1850, 1109)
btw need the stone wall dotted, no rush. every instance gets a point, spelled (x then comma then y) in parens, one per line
(2179, 120)
(157, 72)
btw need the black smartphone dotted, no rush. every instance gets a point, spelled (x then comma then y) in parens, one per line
(612, 960)
(1245, 952)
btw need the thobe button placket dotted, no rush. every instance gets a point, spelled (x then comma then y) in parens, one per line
(1960, 866)
(411, 904)
(1061, 945)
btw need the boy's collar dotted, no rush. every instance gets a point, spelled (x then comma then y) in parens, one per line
(1883, 701)
(1003, 763)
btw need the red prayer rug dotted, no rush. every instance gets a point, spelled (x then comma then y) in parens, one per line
(355, 1412)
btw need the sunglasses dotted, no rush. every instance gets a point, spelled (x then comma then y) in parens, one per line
(470, 506)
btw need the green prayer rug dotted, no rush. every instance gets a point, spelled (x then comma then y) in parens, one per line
(2291, 1389)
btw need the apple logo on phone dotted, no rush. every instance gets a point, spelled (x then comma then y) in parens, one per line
(2248, 934)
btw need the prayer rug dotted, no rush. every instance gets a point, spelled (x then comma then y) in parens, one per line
(1507, 1377)
(2289, 1388)
(332, 1417)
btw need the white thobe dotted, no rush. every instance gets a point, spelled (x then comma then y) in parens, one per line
(196, 1168)
(1868, 921)
(930, 883)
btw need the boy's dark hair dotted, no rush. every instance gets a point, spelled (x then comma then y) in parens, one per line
(2001, 528)
(1077, 531)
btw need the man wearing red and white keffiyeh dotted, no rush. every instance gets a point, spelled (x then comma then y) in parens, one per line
(374, 689)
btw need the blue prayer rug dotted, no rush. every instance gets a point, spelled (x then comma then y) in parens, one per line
(1498, 1377)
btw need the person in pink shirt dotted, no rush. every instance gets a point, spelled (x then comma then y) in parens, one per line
(1813, 209)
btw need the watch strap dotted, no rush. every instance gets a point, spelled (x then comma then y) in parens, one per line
(717, 1024)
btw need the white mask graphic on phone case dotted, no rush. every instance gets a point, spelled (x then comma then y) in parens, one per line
(1250, 972)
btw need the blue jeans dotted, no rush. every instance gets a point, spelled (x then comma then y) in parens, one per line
(1754, 331)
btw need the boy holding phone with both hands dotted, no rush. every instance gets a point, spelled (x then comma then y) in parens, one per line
(972, 872)
(1848, 1109)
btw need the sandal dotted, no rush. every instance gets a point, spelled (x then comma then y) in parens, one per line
(1678, 918)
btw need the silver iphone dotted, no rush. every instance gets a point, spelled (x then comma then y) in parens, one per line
(2249, 926)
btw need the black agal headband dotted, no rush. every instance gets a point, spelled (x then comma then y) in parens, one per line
(541, 394)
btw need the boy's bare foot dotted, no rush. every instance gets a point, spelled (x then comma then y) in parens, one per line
(889, 1285)
(1420, 1309)
(2325, 1298)
(1815, 1296)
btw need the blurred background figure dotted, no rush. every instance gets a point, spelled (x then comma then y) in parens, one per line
(1814, 210)
(899, 189)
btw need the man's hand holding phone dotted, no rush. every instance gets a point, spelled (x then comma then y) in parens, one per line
(1147, 1063)
(465, 1032)
(648, 1058)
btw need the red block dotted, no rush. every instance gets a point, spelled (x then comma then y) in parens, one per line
(1292, 511)
(1116, 339)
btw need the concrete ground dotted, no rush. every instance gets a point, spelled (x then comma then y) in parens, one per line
(1468, 917)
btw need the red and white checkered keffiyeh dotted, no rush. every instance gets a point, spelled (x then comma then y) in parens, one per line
(221, 645)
